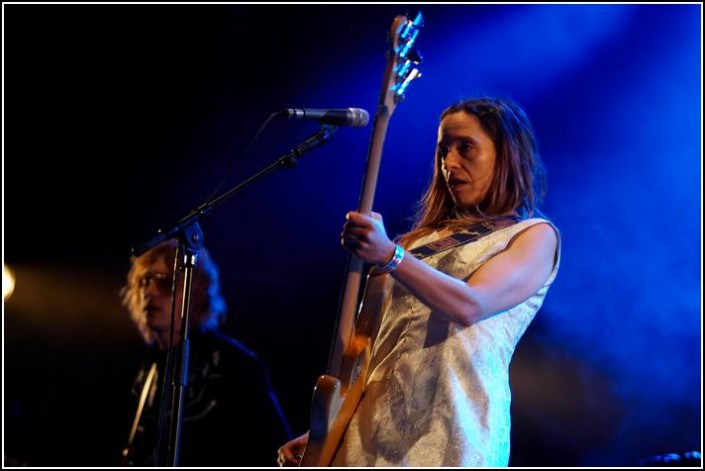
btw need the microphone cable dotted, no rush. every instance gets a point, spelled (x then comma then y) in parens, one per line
(234, 163)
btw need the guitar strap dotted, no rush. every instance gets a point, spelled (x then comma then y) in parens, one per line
(138, 415)
(470, 234)
(377, 287)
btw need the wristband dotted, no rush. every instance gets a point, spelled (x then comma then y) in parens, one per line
(394, 262)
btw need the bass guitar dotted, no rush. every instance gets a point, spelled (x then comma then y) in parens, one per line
(337, 393)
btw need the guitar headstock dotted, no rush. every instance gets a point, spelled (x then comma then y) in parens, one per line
(403, 59)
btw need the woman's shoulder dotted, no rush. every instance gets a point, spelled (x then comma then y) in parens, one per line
(539, 224)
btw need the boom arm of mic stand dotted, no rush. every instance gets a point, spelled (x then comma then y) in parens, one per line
(289, 160)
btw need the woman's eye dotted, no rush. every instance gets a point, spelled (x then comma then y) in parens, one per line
(464, 148)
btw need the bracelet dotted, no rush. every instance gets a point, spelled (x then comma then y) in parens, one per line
(394, 262)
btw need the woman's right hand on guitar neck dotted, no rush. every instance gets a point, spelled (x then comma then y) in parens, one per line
(291, 452)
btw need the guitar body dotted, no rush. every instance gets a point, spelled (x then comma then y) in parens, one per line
(338, 393)
(335, 399)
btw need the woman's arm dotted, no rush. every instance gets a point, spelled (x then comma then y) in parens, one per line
(505, 280)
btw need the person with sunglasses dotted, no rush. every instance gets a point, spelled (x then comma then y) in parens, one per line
(228, 384)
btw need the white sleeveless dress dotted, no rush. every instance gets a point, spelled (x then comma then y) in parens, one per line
(438, 393)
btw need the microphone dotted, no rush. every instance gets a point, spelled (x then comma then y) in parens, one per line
(356, 117)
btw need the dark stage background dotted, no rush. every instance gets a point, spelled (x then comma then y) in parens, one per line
(118, 119)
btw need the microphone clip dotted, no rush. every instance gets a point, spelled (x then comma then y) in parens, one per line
(318, 139)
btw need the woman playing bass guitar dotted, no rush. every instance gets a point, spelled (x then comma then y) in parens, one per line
(437, 389)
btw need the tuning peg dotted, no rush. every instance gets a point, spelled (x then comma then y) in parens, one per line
(400, 88)
(415, 56)
(418, 21)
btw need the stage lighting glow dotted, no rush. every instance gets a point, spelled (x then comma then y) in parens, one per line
(8, 282)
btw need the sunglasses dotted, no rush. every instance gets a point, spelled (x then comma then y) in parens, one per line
(161, 280)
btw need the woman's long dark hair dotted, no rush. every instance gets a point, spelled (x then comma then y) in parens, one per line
(518, 182)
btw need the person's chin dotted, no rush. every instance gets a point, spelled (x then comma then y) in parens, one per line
(462, 203)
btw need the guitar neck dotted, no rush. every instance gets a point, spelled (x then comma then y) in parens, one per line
(397, 76)
(346, 320)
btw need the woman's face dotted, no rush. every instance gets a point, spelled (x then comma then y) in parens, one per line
(468, 158)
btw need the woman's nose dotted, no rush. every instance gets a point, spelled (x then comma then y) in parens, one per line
(450, 162)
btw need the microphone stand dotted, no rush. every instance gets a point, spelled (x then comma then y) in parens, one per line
(190, 240)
